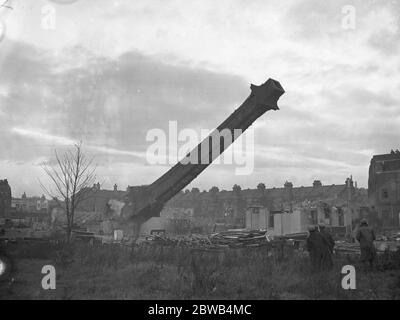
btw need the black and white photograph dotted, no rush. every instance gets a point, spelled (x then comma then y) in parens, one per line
(221, 152)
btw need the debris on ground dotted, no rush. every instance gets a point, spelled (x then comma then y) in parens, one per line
(175, 240)
(347, 247)
(234, 238)
(382, 244)
(240, 238)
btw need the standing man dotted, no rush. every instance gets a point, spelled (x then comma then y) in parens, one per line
(366, 237)
(325, 233)
(318, 247)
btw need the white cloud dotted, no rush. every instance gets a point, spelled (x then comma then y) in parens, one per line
(63, 141)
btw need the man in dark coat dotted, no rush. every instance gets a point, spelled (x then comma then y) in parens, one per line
(325, 233)
(366, 237)
(318, 247)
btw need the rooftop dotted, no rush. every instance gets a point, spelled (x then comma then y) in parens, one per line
(393, 155)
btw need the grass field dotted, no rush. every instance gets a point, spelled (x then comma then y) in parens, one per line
(158, 272)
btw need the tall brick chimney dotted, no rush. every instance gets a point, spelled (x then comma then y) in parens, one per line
(288, 191)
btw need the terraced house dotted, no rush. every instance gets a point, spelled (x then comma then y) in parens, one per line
(336, 205)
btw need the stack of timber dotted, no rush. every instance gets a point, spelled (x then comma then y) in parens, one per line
(295, 236)
(240, 238)
(191, 240)
(82, 234)
(347, 247)
(237, 238)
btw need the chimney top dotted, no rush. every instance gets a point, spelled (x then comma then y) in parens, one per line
(317, 183)
(349, 182)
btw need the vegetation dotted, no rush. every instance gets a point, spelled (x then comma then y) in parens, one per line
(160, 272)
(72, 176)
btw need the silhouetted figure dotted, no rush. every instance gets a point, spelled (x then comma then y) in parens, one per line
(318, 247)
(325, 233)
(366, 237)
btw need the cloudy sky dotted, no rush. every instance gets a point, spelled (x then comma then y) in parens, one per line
(107, 71)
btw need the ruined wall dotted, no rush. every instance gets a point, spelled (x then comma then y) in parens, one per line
(104, 202)
(384, 188)
(214, 204)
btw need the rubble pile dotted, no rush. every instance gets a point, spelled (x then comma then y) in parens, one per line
(240, 238)
(226, 239)
(388, 245)
(390, 236)
(190, 240)
(382, 244)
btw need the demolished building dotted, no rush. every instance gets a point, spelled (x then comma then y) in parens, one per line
(384, 188)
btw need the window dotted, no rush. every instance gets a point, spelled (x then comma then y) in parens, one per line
(385, 193)
(327, 213)
(314, 216)
(256, 210)
(271, 221)
(379, 167)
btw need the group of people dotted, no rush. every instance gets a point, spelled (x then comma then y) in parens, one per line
(320, 245)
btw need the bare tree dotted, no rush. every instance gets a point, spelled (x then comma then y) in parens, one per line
(72, 176)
